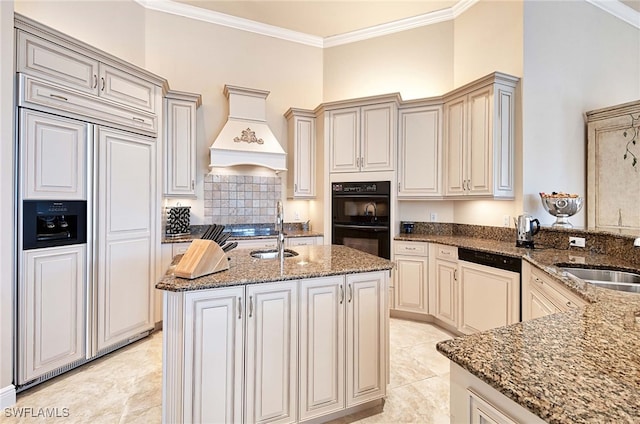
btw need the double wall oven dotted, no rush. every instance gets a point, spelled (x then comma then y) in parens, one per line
(360, 216)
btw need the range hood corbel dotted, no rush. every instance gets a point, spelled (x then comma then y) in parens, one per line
(246, 139)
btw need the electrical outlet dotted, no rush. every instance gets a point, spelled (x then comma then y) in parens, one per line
(506, 221)
(434, 216)
(576, 241)
(296, 216)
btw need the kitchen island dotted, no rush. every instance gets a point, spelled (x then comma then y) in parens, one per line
(582, 365)
(308, 341)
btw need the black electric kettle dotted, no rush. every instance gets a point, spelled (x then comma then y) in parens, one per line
(526, 227)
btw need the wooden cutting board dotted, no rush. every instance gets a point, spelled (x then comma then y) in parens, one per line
(202, 258)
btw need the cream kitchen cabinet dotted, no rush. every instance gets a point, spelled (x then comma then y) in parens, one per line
(479, 138)
(420, 151)
(244, 370)
(489, 297)
(443, 283)
(126, 258)
(342, 348)
(74, 66)
(411, 276)
(542, 295)
(301, 154)
(51, 311)
(363, 138)
(55, 156)
(180, 143)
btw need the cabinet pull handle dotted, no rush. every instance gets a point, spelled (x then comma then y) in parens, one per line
(445, 252)
(341, 294)
(193, 183)
(410, 248)
(569, 304)
(455, 274)
(55, 96)
(95, 80)
(138, 119)
(350, 292)
(399, 187)
(250, 306)
(295, 187)
(103, 83)
(539, 281)
(239, 308)
(469, 185)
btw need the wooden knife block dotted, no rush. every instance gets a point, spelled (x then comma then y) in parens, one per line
(203, 257)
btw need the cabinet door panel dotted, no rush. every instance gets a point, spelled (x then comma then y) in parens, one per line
(127, 89)
(480, 145)
(126, 220)
(378, 138)
(52, 289)
(411, 284)
(489, 298)
(214, 372)
(321, 346)
(272, 353)
(366, 322)
(420, 152)
(345, 140)
(455, 136)
(47, 60)
(446, 292)
(180, 144)
(53, 156)
(304, 179)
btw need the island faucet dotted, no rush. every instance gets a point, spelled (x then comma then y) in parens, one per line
(280, 229)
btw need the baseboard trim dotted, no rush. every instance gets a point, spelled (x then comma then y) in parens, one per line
(7, 396)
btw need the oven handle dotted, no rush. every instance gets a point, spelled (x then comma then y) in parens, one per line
(372, 228)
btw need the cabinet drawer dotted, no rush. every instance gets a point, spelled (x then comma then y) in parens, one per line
(268, 243)
(448, 253)
(50, 61)
(561, 297)
(34, 92)
(411, 248)
(303, 241)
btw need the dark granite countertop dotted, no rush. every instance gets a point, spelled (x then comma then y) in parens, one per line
(197, 232)
(312, 261)
(571, 367)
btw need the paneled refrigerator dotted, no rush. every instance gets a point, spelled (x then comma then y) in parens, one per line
(87, 244)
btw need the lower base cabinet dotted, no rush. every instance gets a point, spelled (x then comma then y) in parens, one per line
(231, 354)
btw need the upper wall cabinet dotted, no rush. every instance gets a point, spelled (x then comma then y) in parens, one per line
(363, 137)
(180, 144)
(420, 151)
(479, 138)
(72, 74)
(301, 154)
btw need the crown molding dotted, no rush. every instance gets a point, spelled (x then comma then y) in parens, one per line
(218, 18)
(614, 7)
(391, 27)
(619, 10)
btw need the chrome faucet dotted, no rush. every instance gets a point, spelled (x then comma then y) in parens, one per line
(280, 229)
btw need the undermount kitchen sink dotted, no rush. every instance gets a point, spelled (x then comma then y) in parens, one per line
(272, 253)
(609, 279)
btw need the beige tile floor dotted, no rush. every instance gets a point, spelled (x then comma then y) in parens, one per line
(125, 386)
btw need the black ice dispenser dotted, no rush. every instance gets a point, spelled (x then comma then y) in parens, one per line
(49, 223)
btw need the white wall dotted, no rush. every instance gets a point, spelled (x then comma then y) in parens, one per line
(488, 38)
(577, 58)
(7, 200)
(416, 63)
(201, 57)
(117, 27)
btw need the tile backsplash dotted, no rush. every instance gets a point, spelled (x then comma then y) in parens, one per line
(240, 199)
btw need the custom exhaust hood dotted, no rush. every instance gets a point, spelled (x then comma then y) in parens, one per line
(246, 138)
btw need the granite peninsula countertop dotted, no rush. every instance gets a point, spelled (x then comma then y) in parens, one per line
(312, 261)
(570, 367)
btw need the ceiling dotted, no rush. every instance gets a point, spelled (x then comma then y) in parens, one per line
(326, 19)
(323, 18)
